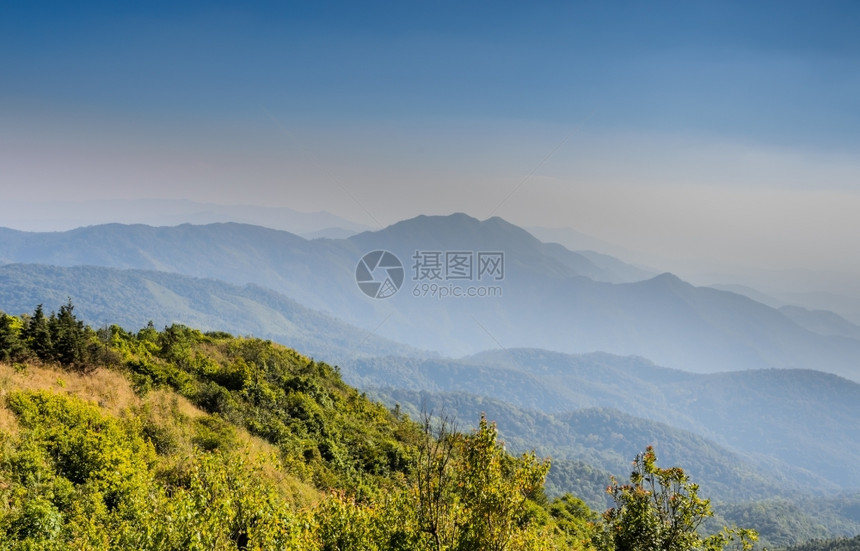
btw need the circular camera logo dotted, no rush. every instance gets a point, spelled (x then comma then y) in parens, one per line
(379, 274)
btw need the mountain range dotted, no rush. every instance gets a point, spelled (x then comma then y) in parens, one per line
(551, 297)
(604, 439)
(54, 215)
(807, 420)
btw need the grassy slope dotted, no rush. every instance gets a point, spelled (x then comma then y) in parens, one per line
(186, 440)
(161, 410)
(222, 435)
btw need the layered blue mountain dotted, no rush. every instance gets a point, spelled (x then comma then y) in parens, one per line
(805, 419)
(132, 298)
(551, 297)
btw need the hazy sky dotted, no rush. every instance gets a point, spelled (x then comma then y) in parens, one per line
(726, 131)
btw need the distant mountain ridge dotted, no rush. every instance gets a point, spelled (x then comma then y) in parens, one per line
(806, 419)
(131, 298)
(822, 322)
(604, 438)
(552, 298)
(782, 500)
(53, 215)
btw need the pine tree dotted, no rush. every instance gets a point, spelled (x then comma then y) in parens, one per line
(38, 335)
(69, 337)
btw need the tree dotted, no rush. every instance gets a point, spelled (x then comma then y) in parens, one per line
(472, 494)
(437, 503)
(496, 488)
(38, 335)
(11, 347)
(69, 337)
(660, 510)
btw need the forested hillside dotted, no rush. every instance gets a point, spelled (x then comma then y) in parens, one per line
(178, 439)
(798, 424)
(841, 544)
(605, 439)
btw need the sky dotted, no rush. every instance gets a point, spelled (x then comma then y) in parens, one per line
(715, 136)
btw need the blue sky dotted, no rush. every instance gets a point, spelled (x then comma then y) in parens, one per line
(663, 125)
(781, 72)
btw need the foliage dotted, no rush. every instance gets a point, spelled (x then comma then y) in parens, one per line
(779, 522)
(495, 489)
(471, 494)
(436, 502)
(76, 477)
(579, 524)
(11, 346)
(60, 337)
(660, 509)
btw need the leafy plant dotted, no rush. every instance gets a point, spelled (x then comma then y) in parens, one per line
(660, 510)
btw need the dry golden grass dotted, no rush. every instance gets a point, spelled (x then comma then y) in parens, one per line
(290, 487)
(113, 393)
(108, 389)
(165, 406)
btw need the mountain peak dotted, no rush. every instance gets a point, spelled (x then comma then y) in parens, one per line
(454, 231)
(668, 278)
(428, 220)
(666, 281)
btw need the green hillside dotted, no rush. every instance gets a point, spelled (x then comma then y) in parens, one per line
(841, 544)
(179, 439)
